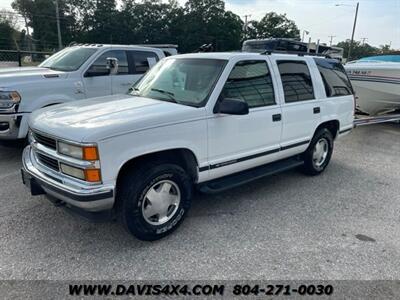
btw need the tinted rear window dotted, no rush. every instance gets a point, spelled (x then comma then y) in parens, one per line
(334, 77)
(296, 80)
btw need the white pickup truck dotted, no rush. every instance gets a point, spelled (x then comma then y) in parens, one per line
(75, 73)
(210, 121)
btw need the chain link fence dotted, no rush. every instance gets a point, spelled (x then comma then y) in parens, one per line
(15, 58)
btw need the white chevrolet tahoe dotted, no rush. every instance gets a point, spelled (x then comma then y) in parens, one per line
(208, 121)
(74, 73)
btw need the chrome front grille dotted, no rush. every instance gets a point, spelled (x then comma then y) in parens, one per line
(45, 140)
(48, 161)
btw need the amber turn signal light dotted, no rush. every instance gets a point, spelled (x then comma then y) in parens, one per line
(90, 153)
(92, 175)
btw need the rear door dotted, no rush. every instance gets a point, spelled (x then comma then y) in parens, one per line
(301, 107)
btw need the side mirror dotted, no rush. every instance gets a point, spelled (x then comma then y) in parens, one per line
(231, 107)
(112, 65)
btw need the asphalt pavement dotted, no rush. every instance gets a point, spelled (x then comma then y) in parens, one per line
(343, 224)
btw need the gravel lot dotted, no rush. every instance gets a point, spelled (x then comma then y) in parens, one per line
(344, 224)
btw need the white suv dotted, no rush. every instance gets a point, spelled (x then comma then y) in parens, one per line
(210, 121)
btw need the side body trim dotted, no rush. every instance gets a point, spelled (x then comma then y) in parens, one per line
(240, 159)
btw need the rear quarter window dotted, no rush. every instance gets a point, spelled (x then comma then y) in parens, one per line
(334, 77)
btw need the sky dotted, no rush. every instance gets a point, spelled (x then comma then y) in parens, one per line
(378, 20)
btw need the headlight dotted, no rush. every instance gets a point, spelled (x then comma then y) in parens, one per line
(31, 139)
(79, 152)
(89, 175)
(72, 171)
(9, 98)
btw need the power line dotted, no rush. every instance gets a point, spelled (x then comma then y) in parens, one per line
(18, 15)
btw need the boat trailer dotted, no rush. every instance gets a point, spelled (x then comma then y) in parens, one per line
(368, 120)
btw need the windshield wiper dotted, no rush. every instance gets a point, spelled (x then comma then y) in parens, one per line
(169, 94)
(133, 90)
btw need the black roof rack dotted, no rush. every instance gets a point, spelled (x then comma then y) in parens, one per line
(299, 53)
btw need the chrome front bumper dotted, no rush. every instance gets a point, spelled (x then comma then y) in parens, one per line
(9, 128)
(91, 198)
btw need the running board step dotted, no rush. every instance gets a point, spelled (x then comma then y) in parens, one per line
(231, 181)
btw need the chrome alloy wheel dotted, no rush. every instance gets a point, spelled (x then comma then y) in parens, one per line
(320, 152)
(161, 202)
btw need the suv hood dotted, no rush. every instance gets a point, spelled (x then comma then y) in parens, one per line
(12, 76)
(99, 118)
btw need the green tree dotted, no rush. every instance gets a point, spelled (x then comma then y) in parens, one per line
(8, 34)
(273, 25)
(41, 16)
(206, 21)
(358, 50)
(101, 22)
(150, 21)
(385, 48)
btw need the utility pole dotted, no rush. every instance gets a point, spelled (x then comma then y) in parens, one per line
(28, 37)
(58, 26)
(304, 32)
(245, 25)
(363, 40)
(331, 37)
(352, 35)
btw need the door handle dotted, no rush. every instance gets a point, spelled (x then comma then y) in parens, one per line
(276, 118)
(317, 110)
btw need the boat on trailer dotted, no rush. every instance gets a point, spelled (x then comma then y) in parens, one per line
(376, 81)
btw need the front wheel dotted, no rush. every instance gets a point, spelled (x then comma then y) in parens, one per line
(154, 199)
(318, 153)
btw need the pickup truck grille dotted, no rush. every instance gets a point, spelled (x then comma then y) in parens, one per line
(45, 140)
(48, 161)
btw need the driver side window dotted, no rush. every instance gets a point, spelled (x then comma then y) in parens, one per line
(251, 82)
(99, 67)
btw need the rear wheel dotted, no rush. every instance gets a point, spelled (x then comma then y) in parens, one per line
(318, 153)
(154, 199)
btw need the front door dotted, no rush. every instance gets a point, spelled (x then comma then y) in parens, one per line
(97, 79)
(123, 80)
(238, 142)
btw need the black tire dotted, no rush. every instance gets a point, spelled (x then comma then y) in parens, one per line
(311, 167)
(132, 192)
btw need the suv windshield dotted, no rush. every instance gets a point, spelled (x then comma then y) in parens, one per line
(187, 81)
(69, 59)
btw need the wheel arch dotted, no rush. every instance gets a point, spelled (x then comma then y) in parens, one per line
(183, 157)
(332, 125)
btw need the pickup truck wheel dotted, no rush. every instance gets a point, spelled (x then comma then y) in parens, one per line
(318, 153)
(154, 200)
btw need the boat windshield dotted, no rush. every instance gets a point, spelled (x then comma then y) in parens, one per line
(381, 58)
